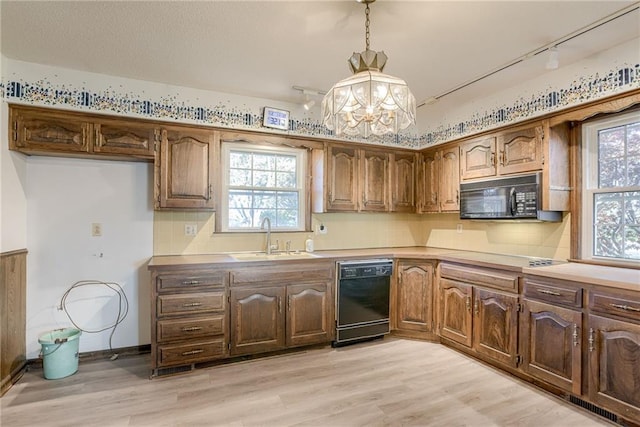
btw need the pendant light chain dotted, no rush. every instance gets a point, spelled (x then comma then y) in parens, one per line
(366, 26)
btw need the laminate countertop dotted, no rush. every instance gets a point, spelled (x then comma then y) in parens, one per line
(598, 275)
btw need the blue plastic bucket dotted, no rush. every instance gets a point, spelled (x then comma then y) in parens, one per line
(60, 352)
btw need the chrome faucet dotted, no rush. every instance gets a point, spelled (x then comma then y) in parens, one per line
(268, 221)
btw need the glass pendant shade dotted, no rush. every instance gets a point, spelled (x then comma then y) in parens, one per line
(369, 102)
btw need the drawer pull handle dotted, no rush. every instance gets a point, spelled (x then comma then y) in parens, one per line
(191, 282)
(626, 307)
(548, 292)
(191, 328)
(192, 304)
(468, 303)
(192, 352)
(575, 335)
(591, 340)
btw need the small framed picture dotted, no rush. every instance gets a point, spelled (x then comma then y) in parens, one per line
(275, 118)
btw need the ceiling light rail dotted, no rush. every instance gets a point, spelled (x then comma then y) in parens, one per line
(547, 47)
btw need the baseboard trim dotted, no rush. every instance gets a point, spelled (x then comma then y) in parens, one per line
(90, 356)
(12, 378)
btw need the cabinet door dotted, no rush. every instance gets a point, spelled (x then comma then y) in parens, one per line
(186, 169)
(257, 320)
(450, 180)
(47, 131)
(495, 329)
(342, 176)
(478, 158)
(374, 167)
(126, 138)
(614, 365)
(551, 344)
(308, 314)
(429, 182)
(520, 150)
(414, 297)
(403, 179)
(456, 316)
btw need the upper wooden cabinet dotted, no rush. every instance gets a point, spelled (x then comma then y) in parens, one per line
(439, 180)
(364, 180)
(514, 151)
(184, 170)
(403, 181)
(64, 133)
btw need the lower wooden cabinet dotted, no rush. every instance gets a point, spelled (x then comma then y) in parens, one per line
(484, 320)
(309, 311)
(257, 320)
(551, 344)
(414, 297)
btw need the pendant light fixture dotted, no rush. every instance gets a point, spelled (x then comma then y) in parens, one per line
(368, 102)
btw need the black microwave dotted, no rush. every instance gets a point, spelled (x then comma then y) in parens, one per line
(516, 197)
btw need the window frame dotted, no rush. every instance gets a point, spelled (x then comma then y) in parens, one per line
(302, 172)
(589, 162)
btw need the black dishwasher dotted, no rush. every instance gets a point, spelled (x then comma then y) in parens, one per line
(362, 300)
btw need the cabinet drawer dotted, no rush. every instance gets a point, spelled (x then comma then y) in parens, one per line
(553, 293)
(279, 274)
(191, 281)
(485, 277)
(191, 353)
(190, 303)
(179, 329)
(616, 305)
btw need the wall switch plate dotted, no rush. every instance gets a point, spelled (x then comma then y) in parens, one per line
(459, 228)
(190, 229)
(96, 229)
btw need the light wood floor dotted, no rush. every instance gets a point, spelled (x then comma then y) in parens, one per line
(384, 382)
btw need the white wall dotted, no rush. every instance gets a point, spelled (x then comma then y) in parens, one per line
(64, 198)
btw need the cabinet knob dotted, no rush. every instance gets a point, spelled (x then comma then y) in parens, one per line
(575, 335)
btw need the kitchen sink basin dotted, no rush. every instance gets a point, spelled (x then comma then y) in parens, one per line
(261, 256)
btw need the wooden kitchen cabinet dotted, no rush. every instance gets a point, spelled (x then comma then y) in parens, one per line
(257, 319)
(403, 180)
(439, 180)
(273, 308)
(308, 314)
(551, 332)
(13, 317)
(358, 179)
(185, 169)
(65, 133)
(613, 346)
(478, 309)
(520, 150)
(414, 297)
(189, 317)
(478, 158)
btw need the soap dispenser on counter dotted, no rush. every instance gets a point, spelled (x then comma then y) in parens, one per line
(308, 244)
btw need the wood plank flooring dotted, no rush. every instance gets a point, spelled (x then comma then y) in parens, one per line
(390, 382)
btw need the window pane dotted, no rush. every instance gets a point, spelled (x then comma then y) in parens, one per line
(633, 177)
(239, 177)
(265, 199)
(264, 179)
(611, 143)
(608, 241)
(265, 162)
(611, 173)
(632, 243)
(286, 180)
(239, 159)
(632, 209)
(286, 163)
(239, 199)
(287, 218)
(633, 139)
(608, 208)
(288, 200)
(240, 218)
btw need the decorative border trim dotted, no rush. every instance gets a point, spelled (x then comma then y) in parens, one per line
(587, 88)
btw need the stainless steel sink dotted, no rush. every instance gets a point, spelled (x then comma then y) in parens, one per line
(261, 256)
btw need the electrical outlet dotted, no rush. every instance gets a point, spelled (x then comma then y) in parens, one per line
(96, 229)
(459, 228)
(190, 229)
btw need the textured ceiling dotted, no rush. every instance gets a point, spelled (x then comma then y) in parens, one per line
(263, 48)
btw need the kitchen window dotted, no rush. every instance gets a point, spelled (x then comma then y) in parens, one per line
(611, 189)
(263, 182)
